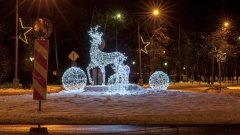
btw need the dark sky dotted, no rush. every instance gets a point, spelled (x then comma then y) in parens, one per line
(210, 12)
(201, 14)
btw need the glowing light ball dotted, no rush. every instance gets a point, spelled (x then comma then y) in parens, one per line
(159, 80)
(74, 79)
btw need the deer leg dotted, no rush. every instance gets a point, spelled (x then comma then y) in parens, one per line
(103, 74)
(88, 74)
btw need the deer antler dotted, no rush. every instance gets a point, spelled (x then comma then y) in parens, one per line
(95, 35)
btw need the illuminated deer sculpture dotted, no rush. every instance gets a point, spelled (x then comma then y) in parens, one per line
(101, 59)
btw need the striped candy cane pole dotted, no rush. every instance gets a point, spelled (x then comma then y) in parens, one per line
(40, 69)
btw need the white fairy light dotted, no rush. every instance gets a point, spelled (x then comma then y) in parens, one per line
(74, 79)
(118, 82)
(159, 80)
(101, 59)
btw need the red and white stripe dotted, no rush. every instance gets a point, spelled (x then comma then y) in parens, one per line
(40, 69)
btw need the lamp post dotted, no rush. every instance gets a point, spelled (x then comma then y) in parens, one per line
(221, 57)
(16, 80)
(140, 58)
(118, 16)
(166, 64)
(155, 13)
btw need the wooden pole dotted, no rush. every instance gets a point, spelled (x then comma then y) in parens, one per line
(39, 105)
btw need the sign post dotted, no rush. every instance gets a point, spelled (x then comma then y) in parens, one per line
(42, 30)
(40, 70)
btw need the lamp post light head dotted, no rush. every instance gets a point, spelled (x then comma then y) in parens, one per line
(155, 12)
(133, 62)
(31, 58)
(165, 63)
(226, 24)
(118, 16)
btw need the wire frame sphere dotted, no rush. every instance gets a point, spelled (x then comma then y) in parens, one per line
(74, 79)
(159, 80)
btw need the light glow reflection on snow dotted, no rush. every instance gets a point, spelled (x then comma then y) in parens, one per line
(99, 90)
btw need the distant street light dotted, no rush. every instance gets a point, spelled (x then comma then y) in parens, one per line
(226, 24)
(31, 58)
(133, 62)
(118, 16)
(166, 67)
(221, 56)
(224, 27)
(165, 63)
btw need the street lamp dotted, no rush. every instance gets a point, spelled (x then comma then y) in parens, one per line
(165, 63)
(166, 67)
(140, 58)
(31, 58)
(220, 58)
(155, 13)
(226, 24)
(118, 16)
(133, 62)
(16, 80)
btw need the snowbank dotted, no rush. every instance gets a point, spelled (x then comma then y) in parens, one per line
(145, 106)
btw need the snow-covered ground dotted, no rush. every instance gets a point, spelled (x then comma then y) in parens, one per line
(141, 106)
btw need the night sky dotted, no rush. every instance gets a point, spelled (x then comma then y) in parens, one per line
(73, 18)
(206, 9)
(188, 12)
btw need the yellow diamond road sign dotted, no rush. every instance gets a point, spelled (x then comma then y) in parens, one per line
(73, 56)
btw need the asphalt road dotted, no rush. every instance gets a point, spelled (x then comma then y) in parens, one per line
(119, 129)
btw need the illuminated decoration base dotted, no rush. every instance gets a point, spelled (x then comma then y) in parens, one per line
(98, 88)
(74, 79)
(101, 59)
(159, 80)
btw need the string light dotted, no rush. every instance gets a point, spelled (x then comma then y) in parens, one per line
(159, 80)
(145, 47)
(28, 29)
(74, 79)
(119, 81)
(101, 59)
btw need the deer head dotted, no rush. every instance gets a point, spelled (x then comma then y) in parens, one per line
(95, 35)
